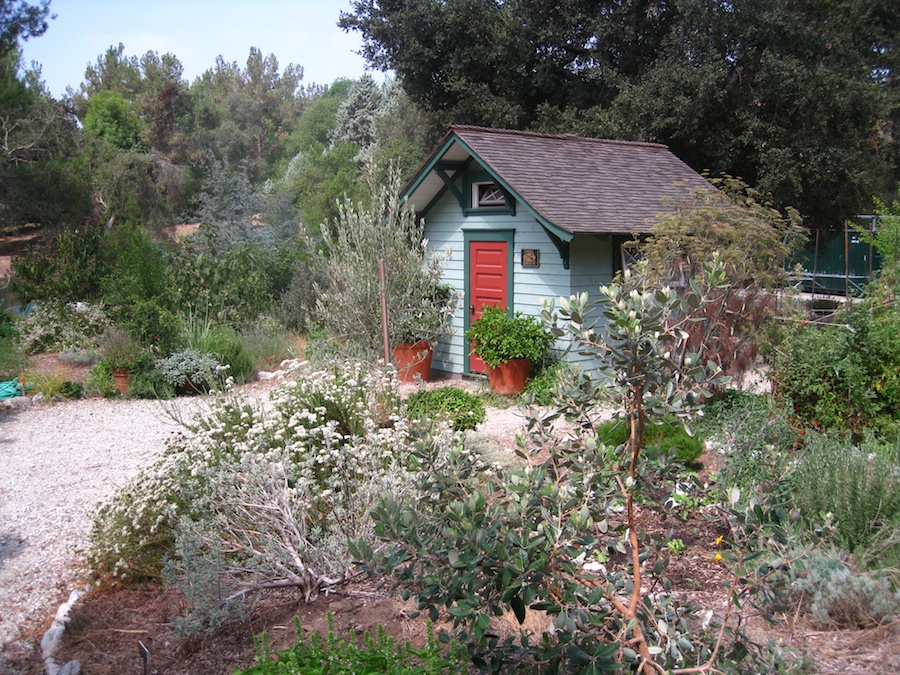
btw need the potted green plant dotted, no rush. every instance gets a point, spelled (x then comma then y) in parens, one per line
(123, 355)
(416, 322)
(509, 344)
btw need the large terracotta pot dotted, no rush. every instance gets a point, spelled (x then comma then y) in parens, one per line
(509, 378)
(413, 361)
(123, 379)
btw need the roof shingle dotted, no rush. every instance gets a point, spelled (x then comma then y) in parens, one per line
(584, 185)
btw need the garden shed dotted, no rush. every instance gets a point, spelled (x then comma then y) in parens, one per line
(527, 216)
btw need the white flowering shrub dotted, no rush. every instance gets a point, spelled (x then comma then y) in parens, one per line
(265, 495)
(55, 327)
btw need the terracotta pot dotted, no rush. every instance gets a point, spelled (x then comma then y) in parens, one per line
(413, 361)
(509, 378)
(122, 378)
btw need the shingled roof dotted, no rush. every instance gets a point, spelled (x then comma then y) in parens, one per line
(579, 185)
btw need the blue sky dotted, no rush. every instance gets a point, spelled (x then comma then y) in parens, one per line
(303, 32)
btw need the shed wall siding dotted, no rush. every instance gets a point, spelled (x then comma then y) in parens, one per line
(444, 228)
(591, 265)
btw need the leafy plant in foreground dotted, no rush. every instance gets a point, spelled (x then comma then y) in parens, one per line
(479, 542)
(336, 656)
(463, 409)
(252, 496)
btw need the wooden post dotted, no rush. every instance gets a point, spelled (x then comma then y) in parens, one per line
(384, 312)
(847, 261)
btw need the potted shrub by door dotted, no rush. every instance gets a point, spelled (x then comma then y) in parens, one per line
(508, 345)
(418, 318)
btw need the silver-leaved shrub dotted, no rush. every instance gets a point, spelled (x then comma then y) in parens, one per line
(264, 495)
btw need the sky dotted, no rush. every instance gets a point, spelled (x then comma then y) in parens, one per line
(303, 32)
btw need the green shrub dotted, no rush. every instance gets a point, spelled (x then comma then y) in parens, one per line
(12, 361)
(375, 654)
(71, 390)
(152, 323)
(224, 343)
(543, 385)
(498, 337)
(846, 375)
(100, 381)
(658, 439)
(67, 267)
(859, 485)
(754, 435)
(462, 409)
(7, 325)
(150, 383)
(234, 286)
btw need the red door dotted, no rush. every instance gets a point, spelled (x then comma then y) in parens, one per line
(488, 284)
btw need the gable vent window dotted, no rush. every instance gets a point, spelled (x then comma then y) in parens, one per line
(488, 195)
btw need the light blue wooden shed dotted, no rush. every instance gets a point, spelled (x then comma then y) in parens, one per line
(527, 216)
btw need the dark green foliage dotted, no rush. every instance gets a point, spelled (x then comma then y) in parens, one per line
(71, 390)
(138, 288)
(100, 381)
(543, 384)
(7, 327)
(66, 267)
(462, 409)
(12, 361)
(227, 346)
(20, 21)
(783, 94)
(150, 383)
(498, 336)
(236, 286)
(152, 323)
(142, 187)
(333, 655)
(659, 439)
(843, 375)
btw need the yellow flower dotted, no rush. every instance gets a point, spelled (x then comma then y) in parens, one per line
(718, 557)
(719, 540)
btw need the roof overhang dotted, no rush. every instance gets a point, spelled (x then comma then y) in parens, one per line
(436, 174)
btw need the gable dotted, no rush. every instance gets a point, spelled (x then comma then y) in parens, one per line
(570, 184)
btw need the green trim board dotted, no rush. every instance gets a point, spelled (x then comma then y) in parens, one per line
(508, 236)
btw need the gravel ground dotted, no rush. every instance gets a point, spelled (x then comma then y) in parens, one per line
(56, 462)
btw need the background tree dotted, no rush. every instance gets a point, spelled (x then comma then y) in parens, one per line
(43, 172)
(798, 98)
(20, 21)
(109, 118)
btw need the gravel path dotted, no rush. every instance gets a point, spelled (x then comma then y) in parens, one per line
(56, 462)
